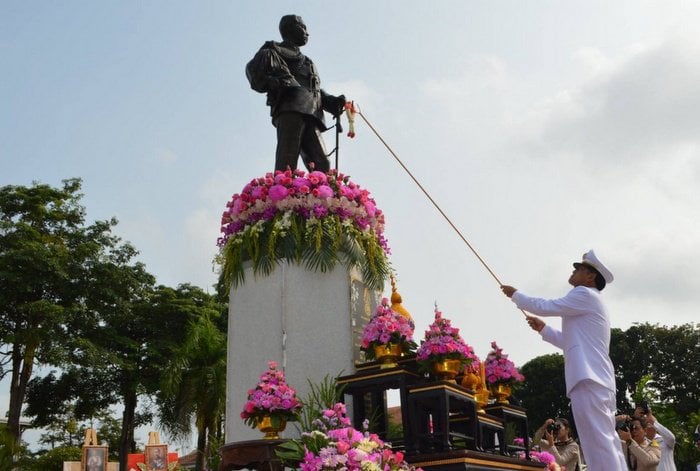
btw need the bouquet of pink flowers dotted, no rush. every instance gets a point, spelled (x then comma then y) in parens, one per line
(387, 326)
(443, 342)
(272, 396)
(473, 366)
(542, 457)
(499, 369)
(335, 445)
(297, 217)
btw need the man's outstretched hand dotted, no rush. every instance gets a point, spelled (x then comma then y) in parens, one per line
(508, 290)
(535, 323)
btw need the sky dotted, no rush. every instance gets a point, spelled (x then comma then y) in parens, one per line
(542, 129)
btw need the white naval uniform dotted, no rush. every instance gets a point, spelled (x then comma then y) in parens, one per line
(666, 440)
(590, 378)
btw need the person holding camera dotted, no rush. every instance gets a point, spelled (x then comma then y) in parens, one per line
(661, 435)
(555, 437)
(641, 453)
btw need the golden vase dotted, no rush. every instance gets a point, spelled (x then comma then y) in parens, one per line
(387, 354)
(446, 370)
(470, 381)
(501, 392)
(482, 400)
(271, 426)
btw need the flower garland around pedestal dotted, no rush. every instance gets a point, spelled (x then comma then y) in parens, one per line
(316, 218)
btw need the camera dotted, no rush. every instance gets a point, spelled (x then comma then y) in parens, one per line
(553, 428)
(622, 425)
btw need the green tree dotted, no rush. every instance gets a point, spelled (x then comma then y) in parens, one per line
(52, 460)
(108, 357)
(46, 252)
(115, 349)
(194, 386)
(670, 356)
(543, 393)
(61, 430)
(121, 358)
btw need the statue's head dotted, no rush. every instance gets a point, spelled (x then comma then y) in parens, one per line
(293, 30)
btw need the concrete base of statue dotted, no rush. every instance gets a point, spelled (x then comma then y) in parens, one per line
(309, 322)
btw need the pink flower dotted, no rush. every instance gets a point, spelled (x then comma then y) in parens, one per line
(271, 395)
(278, 193)
(386, 326)
(301, 182)
(259, 192)
(343, 447)
(324, 191)
(442, 341)
(317, 177)
(499, 369)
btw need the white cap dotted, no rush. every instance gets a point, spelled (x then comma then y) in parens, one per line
(591, 260)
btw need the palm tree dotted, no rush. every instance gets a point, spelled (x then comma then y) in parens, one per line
(194, 384)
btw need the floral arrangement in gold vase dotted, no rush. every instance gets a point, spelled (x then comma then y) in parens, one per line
(271, 404)
(443, 351)
(501, 374)
(387, 336)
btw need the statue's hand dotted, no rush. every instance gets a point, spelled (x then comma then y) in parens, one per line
(339, 105)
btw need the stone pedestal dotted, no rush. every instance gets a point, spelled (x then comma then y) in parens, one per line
(308, 322)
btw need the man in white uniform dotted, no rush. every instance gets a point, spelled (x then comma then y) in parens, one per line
(585, 340)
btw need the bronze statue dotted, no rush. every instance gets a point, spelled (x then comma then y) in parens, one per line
(295, 97)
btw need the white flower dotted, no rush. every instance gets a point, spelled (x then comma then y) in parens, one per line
(367, 445)
(370, 466)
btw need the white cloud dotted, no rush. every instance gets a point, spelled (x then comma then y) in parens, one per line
(474, 88)
(592, 61)
(634, 109)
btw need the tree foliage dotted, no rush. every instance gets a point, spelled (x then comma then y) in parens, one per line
(543, 393)
(46, 255)
(53, 459)
(75, 301)
(666, 359)
(194, 384)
